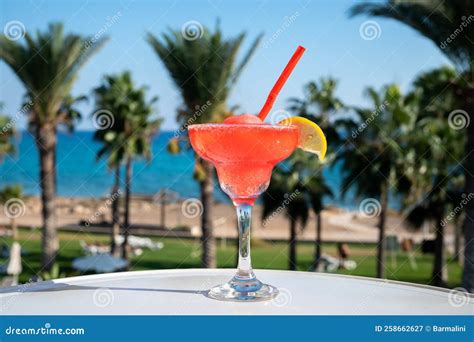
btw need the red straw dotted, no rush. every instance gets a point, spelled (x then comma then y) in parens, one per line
(280, 82)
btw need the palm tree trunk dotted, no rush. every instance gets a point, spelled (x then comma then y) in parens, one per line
(163, 211)
(317, 253)
(438, 278)
(207, 199)
(115, 231)
(14, 228)
(381, 242)
(468, 274)
(46, 143)
(292, 256)
(126, 218)
(457, 242)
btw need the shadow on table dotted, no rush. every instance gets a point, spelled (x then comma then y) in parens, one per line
(50, 286)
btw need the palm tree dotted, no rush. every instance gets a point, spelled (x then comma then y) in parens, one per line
(204, 68)
(107, 134)
(318, 190)
(48, 65)
(110, 144)
(438, 99)
(296, 187)
(320, 104)
(373, 163)
(15, 193)
(315, 190)
(435, 175)
(442, 194)
(436, 183)
(286, 194)
(126, 133)
(439, 21)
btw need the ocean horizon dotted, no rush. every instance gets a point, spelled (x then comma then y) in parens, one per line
(80, 174)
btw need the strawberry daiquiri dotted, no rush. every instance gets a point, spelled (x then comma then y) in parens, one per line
(244, 150)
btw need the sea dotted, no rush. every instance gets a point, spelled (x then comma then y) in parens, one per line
(81, 174)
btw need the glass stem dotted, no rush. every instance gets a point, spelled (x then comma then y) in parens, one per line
(244, 217)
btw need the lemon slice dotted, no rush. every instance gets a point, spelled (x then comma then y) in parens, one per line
(312, 138)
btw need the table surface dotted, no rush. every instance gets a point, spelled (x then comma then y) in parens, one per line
(183, 292)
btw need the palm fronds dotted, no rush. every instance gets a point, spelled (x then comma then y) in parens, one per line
(128, 115)
(438, 20)
(204, 70)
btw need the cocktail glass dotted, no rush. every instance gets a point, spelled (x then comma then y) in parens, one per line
(244, 156)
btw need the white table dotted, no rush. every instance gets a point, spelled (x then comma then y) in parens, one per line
(182, 292)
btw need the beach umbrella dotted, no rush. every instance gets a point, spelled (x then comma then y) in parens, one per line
(13, 265)
(99, 263)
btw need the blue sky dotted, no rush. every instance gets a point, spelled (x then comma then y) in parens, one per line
(333, 41)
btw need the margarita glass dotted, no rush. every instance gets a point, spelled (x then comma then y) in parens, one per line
(244, 155)
(244, 151)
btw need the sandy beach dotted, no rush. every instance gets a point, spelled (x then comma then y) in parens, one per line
(338, 224)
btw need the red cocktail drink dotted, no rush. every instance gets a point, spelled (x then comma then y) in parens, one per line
(243, 154)
(244, 151)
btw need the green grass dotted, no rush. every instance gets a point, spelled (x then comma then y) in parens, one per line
(185, 253)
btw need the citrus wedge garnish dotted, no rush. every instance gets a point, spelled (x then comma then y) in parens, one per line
(312, 138)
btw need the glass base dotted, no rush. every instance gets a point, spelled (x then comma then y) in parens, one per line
(240, 289)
